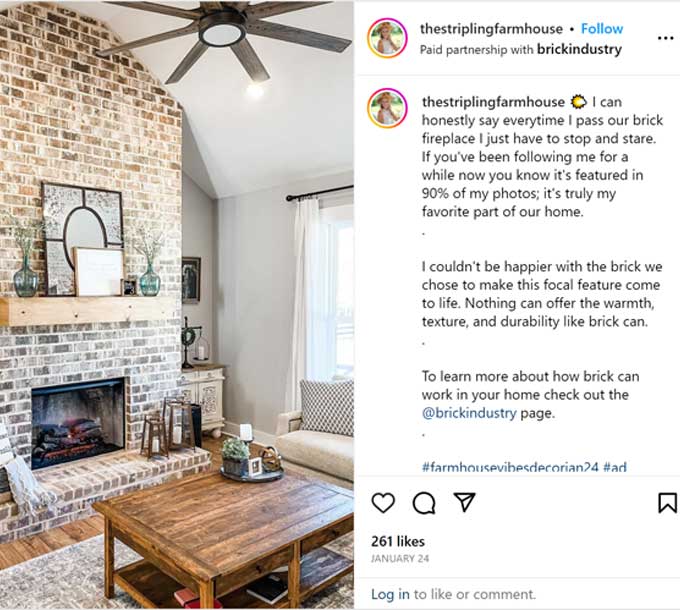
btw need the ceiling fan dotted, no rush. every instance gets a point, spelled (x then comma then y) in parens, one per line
(227, 24)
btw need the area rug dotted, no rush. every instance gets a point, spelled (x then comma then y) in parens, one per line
(73, 577)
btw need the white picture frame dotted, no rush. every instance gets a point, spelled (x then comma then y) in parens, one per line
(255, 467)
(99, 271)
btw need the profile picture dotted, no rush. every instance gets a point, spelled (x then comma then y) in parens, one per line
(387, 108)
(387, 37)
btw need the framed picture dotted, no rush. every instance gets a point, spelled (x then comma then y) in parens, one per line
(255, 467)
(77, 217)
(191, 279)
(128, 287)
(99, 272)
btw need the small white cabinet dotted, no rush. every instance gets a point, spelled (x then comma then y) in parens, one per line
(204, 385)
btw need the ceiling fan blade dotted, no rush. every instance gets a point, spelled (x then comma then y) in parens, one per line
(250, 61)
(162, 9)
(185, 65)
(239, 6)
(211, 6)
(269, 9)
(297, 36)
(189, 29)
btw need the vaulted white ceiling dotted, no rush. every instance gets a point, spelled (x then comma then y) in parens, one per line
(300, 128)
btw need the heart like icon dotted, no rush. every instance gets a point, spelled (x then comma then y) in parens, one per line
(383, 502)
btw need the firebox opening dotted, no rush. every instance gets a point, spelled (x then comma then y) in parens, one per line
(75, 421)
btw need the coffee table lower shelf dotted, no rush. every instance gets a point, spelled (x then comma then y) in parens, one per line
(151, 588)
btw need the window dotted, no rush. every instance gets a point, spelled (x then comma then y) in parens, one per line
(344, 300)
(331, 349)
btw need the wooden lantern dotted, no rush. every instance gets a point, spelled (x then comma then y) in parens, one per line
(180, 429)
(154, 430)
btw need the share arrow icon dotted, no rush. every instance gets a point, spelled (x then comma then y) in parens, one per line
(465, 499)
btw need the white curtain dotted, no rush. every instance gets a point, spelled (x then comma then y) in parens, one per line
(322, 343)
(306, 267)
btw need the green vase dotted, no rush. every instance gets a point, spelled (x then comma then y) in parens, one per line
(150, 282)
(26, 280)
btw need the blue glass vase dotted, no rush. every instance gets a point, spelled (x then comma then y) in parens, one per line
(26, 280)
(150, 282)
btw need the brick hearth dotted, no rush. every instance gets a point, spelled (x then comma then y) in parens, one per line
(70, 117)
(81, 483)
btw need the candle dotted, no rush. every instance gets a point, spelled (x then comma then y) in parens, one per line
(155, 446)
(177, 434)
(201, 352)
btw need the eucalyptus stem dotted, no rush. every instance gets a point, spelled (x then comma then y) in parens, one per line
(25, 232)
(148, 243)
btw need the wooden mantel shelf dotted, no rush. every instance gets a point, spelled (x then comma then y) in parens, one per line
(40, 311)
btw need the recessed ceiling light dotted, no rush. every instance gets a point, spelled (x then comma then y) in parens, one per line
(222, 29)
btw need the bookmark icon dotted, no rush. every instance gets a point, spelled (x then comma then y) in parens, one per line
(668, 501)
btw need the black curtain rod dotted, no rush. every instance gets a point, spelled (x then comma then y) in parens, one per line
(339, 188)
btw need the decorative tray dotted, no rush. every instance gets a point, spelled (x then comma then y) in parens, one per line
(265, 477)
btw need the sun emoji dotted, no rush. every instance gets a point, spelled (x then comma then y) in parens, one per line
(578, 101)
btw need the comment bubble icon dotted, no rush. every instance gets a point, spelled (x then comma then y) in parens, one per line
(424, 503)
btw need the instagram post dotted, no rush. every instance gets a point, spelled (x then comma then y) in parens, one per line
(347, 304)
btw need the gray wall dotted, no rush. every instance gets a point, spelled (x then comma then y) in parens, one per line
(199, 213)
(255, 295)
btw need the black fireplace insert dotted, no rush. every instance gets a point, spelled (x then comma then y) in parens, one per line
(79, 420)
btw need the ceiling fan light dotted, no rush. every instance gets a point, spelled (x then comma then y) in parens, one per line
(222, 29)
(255, 91)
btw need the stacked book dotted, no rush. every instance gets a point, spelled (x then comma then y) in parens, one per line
(188, 599)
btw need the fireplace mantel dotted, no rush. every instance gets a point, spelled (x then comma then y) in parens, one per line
(41, 311)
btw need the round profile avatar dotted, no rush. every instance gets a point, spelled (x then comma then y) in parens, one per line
(387, 108)
(387, 37)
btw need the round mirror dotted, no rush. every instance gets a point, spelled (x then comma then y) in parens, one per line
(83, 230)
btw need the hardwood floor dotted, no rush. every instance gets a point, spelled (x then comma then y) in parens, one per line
(22, 550)
(52, 540)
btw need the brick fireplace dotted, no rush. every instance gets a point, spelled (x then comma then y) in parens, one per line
(69, 117)
(76, 421)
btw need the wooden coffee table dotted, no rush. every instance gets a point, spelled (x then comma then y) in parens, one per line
(216, 536)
